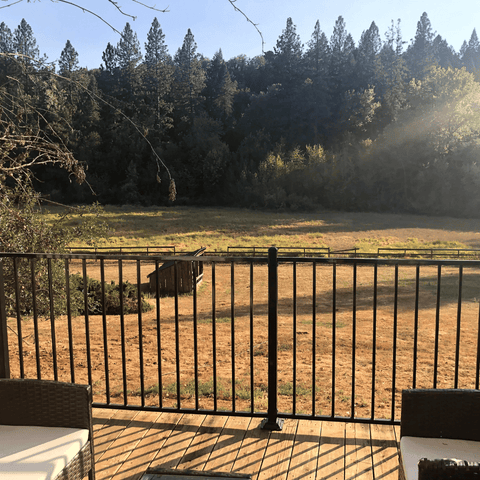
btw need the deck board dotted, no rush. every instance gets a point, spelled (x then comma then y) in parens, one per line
(304, 459)
(331, 458)
(128, 442)
(199, 451)
(384, 451)
(226, 449)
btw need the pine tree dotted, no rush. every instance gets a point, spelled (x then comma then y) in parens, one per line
(318, 52)
(219, 88)
(470, 53)
(420, 54)
(109, 57)
(159, 76)
(342, 61)
(189, 76)
(128, 50)
(288, 56)
(6, 46)
(315, 95)
(25, 45)
(68, 61)
(6, 39)
(443, 54)
(128, 58)
(342, 46)
(155, 49)
(368, 49)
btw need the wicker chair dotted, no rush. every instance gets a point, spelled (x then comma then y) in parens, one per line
(440, 425)
(44, 403)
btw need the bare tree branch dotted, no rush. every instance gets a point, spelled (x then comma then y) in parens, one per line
(94, 14)
(232, 3)
(165, 10)
(10, 4)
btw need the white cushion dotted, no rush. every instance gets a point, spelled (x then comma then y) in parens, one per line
(38, 453)
(415, 448)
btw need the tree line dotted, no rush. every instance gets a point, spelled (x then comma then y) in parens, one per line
(374, 125)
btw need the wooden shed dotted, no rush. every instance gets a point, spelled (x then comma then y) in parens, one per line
(189, 274)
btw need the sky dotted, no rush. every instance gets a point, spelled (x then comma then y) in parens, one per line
(216, 25)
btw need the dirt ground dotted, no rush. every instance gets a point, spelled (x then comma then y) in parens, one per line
(369, 351)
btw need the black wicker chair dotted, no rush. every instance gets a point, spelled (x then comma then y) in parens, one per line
(439, 430)
(47, 403)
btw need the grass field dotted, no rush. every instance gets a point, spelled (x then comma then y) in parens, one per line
(315, 341)
(216, 228)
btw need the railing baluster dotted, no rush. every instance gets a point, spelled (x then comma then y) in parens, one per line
(354, 338)
(105, 331)
(232, 330)
(177, 333)
(459, 321)
(69, 320)
(294, 406)
(195, 334)
(122, 332)
(374, 338)
(52, 319)
(334, 333)
(87, 322)
(394, 353)
(437, 326)
(35, 318)
(477, 372)
(314, 333)
(4, 351)
(140, 334)
(214, 340)
(252, 379)
(19, 317)
(415, 334)
(159, 334)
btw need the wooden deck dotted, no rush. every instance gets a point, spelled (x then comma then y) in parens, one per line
(127, 442)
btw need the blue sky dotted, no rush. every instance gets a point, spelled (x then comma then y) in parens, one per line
(215, 24)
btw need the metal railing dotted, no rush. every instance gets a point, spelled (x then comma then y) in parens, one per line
(277, 337)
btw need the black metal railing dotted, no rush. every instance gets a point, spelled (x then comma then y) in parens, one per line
(277, 336)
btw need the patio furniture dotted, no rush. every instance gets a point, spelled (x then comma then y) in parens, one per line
(45, 430)
(440, 434)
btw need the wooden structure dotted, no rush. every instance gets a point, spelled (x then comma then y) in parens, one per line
(128, 442)
(188, 275)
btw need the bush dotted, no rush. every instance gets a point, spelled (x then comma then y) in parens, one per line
(112, 297)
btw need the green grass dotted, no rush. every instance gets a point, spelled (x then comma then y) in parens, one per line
(217, 320)
(214, 228)
(371, 245)
(188, 228)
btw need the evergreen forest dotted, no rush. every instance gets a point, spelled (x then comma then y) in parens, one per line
(372, 124)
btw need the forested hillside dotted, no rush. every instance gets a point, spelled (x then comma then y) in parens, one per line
(373, 124)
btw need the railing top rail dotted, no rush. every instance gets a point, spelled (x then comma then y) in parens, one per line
(263, 247)
(357, 260)
(434, 249)
(131, 258)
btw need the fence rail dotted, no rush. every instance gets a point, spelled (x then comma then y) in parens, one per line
(274, 336)
(134, 250)
(429, 252)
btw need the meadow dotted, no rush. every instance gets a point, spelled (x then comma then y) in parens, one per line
(308, 333)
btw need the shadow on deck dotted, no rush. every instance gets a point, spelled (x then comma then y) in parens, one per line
(128, 442)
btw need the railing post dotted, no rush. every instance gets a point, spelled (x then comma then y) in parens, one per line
(4, 357)
(272, 422)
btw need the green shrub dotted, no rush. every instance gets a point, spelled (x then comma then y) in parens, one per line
(112, 297)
